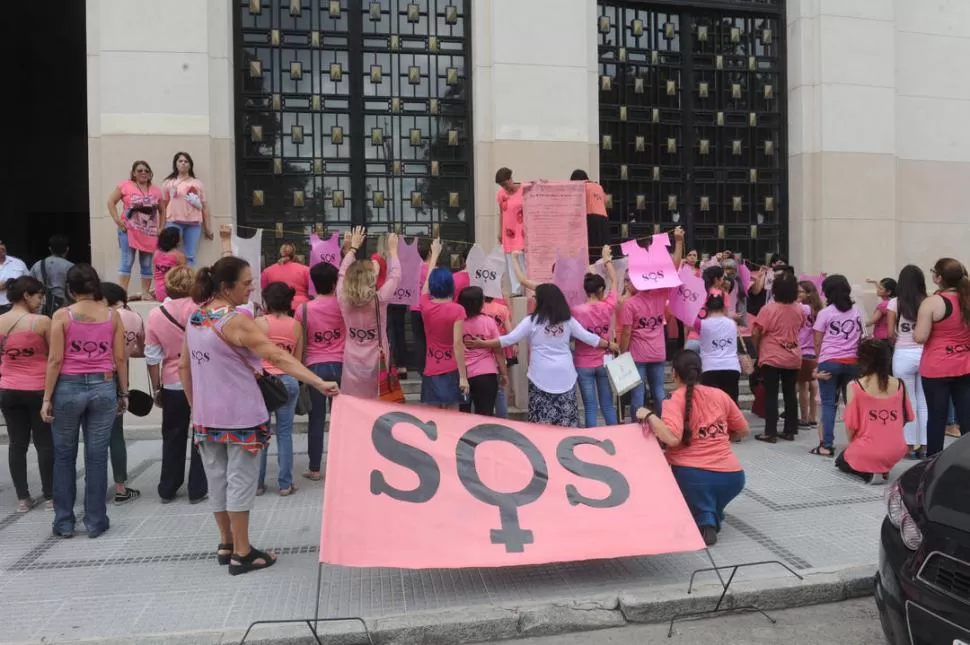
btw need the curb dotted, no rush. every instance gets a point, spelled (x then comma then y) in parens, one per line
(477, 624)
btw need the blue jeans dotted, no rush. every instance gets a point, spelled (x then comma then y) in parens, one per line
(191, 234)
(86, 402)
(318, 413)
(501, 405)
(652, 375)
(284, 436)
(594, 385)
(707, 492)
(842, 374)
(128, 258)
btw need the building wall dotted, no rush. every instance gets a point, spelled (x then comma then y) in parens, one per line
(159, 82)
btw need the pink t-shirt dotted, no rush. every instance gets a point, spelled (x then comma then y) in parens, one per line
(422, 277)
(462, 281)
(183, 200)
(597, 318)
(160, 331)
(293, 274)
(142, 226)
(712, 415)
(878, 443)
(595, 199)
(499, 312)
(842, 333)
(165, 261)
(513, 233)
(326, 332)
(806, 335)
(644, 314)
(780, 324)
(134, 328)
(881, 329)
(439, 331)
(23, 365)
(480, 361)
(282, 330)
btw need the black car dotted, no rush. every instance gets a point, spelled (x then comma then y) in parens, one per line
(923, 582)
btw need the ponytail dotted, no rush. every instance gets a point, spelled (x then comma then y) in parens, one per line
(209, 280)
(688, 403)
(953, 275)
(204, 288)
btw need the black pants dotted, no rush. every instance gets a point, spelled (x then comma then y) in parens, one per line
(420, 344)
(21, 409)
(598, 233)
(772, 377)
(844, 466)
(396, 315)
(175, 432)
(484, 391)
(724, 380)
(939, 392)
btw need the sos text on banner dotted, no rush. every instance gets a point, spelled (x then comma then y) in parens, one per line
(423, 488)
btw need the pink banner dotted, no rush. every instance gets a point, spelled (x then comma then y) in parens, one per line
(555, 225)
(324, 251)
(418, 488)
(687, 300)
(651, 268)
(408, 290)
(568, 276)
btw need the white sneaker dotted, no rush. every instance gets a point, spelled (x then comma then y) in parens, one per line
(877, 480)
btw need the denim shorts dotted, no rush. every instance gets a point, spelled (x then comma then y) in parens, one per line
(128, 258)
(441, 389)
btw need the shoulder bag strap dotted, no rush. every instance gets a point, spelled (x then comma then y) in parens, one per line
(380, 338)
(43, 273)
(171, 319)
(3, 341)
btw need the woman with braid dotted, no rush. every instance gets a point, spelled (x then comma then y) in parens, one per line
(696, 429)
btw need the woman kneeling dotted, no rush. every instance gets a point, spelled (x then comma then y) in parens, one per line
(696, 428)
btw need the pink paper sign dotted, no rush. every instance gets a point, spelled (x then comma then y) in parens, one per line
(327, 250)
(555, 225)
(418, 488)
(408, 290)
(651, 268)
(687, 300)
(568, 276)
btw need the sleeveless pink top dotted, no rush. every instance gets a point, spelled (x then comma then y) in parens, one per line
(88, 347)
(23, 365)
(947, 352)
(281, 332)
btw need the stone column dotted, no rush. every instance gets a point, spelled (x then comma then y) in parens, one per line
(159, 81)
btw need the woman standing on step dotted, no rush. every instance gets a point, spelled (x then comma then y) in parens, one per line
(24, 337)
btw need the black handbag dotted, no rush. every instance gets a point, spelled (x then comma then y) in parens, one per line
(270, 386)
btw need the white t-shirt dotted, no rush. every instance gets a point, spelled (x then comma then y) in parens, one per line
(550, 361)
(904, 329)
(10, 269)
(719, 344)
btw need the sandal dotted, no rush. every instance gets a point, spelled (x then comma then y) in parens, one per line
(817, 450)
(312, 475)
(246, 563)
(25, 505)
(286, 492)
(767, 438)
(224, 553)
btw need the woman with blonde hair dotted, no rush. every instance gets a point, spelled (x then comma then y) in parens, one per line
(364, 309)
(291, 273)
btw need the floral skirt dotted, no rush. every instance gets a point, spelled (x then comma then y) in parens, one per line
(553, 409)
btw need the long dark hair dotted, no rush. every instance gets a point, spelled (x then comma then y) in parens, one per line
(687, 367)
(910, 292)
(551, 305)
(838, 292)
(25, 285)
(953, 275)
(83, 280)
(876, 359)
(209, 280)
(473, 300)
(175, 165)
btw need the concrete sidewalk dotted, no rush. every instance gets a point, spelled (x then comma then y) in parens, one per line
(154, 571)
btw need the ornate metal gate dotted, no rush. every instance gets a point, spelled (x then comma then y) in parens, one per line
(693, 129)
(354, 112)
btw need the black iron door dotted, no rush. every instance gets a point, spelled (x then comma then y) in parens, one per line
(354, 112)
(692, 121)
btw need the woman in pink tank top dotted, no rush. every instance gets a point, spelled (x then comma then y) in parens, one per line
(943, 328)
(87, 348)
(24, 338)
(287, 333)
(220, 365)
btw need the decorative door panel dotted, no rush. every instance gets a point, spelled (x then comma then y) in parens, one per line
(354, 112)
(692, 121)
